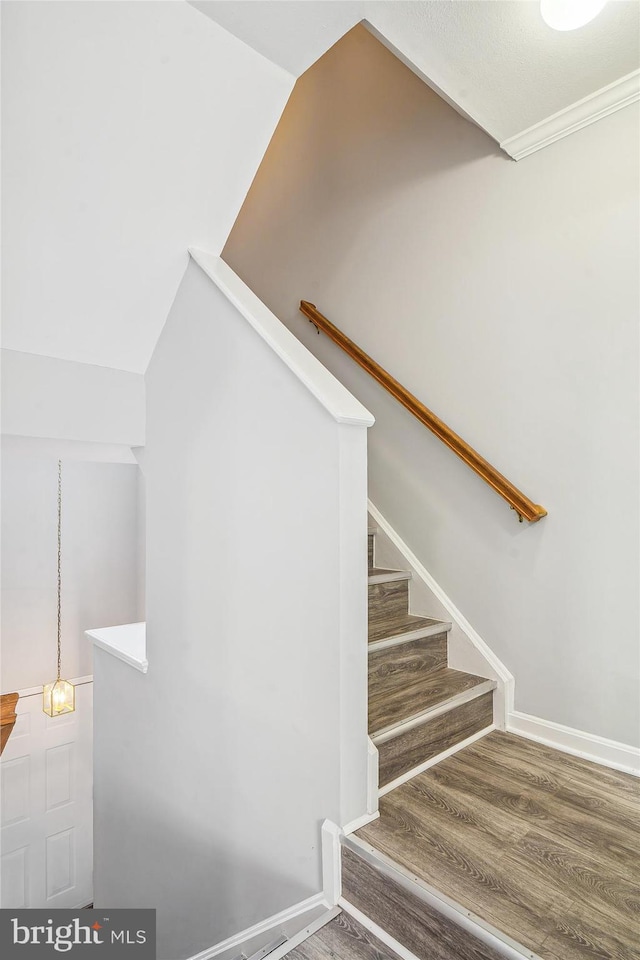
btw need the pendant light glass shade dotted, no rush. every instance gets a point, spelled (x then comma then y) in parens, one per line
(59, 696)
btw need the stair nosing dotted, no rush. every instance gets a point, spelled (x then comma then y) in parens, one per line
(470, 921)
(413, 772)
(389, 576)
(393, 730)
(422, 633)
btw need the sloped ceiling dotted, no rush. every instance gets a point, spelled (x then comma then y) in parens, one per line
(130, 131)
(496, 59)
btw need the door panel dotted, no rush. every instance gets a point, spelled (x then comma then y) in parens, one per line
(46, 789)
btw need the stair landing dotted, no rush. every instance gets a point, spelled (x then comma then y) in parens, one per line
(543, 847)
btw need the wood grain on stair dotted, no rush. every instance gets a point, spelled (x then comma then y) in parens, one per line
(406, 680)
(388, 600)
(418, 927)
(542, 845)
(343, 939)
(558, 805)
(370, 540)
(533, 762)
(419, 744)
(585, 932)
(395, 624)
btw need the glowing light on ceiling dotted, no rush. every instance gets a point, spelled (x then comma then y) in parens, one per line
(569, 14)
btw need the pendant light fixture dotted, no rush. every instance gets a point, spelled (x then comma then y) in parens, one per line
(59, 696)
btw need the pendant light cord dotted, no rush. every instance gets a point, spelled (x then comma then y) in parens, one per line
(59, 565)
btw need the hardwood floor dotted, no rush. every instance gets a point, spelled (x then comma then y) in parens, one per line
(342, 939)
(544, 846)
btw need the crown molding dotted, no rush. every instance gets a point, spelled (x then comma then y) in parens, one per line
(615, 96)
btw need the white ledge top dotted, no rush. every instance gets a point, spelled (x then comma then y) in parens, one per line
(333, 396)
(128, 643)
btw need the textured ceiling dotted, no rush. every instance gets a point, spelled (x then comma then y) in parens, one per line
(496, 59)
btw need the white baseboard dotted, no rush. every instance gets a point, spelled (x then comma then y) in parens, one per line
(588, 746)
(304, 934)
(295, 918)
(495, 669)
(373, 767)
(608, 753)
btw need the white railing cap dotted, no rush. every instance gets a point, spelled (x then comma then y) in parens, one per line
(333, 395)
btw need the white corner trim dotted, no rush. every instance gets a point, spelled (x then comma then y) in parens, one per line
(588, 746)
(262, 928)
(621, 93)
(331, 862)
(504, 675)
(373, 777)
(333, 396)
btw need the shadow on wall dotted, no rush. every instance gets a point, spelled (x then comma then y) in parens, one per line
(359, 128)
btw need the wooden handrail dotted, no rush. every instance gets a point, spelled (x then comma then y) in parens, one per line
(525, 508)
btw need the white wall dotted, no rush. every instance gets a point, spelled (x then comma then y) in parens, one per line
(130, 131)
(505, 296)
(100, 578)
(45, 397)
(215, 773)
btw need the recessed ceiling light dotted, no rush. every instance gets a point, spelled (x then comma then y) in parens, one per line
(569, 14)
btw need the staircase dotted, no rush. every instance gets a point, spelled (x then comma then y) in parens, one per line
(488, 845)
(420, 712)
(419, 708)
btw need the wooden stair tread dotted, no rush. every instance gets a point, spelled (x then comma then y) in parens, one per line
(398, 624)
(399, 689)
(414, 921)
(524, 846)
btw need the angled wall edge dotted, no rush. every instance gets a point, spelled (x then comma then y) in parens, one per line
(329, 392)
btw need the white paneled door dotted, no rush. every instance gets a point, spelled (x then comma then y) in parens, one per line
(46, 787)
